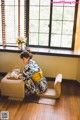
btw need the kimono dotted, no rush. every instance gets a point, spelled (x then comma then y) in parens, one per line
(35, 82)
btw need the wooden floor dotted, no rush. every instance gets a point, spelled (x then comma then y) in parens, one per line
(66, 108)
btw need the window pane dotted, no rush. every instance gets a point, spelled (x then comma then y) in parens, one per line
(45, 2)
(44, 26)
(22, 21)
(64, 2)
(34, 12)
(70, 3)
(11, 15)
(62, 22)
(66, 41)
(11, 2)
(44, 12)
(57, 13)
(43, 39)
(40, 14)
(21, 2)
(55, 40)
(56, 26)
(34, 2)
(33, 26)
(67, 27)
(11, 21)
(69, 16)
(57, 3)
(33, 39)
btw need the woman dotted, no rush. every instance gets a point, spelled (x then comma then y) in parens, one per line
(35, 82)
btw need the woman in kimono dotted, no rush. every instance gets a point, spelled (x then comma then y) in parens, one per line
(35, 82)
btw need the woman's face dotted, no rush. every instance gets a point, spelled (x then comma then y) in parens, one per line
(25, 60)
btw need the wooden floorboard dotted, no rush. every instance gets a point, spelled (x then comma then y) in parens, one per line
(66, 108)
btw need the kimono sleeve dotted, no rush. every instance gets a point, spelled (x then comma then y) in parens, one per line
(28, 72)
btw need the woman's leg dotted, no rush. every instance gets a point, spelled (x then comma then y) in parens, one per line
(41, 86)
(29, 87)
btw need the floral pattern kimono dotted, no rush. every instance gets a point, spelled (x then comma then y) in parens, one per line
(35, 82)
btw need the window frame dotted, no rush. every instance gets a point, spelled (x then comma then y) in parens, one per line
(27, 4)
(4, 42)
(50, 28)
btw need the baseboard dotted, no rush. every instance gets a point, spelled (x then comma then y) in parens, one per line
(3, 74)
(65, 80)
(70, 81)
(50, 79)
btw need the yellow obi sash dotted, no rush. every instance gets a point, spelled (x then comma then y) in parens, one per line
(37, 76)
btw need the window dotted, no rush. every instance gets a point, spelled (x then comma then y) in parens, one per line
(39, 22)
(12, 19)
(49, 23)
(52, 24)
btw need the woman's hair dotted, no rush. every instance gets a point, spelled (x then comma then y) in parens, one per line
(26, 54)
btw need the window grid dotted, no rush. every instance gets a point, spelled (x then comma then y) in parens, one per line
(40, 21)
(39, 34)
(13, 17)
(62, 26)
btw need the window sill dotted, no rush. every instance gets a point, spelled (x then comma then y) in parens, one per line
(44, 51)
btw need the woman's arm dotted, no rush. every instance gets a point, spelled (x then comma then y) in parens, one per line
(28, 73)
